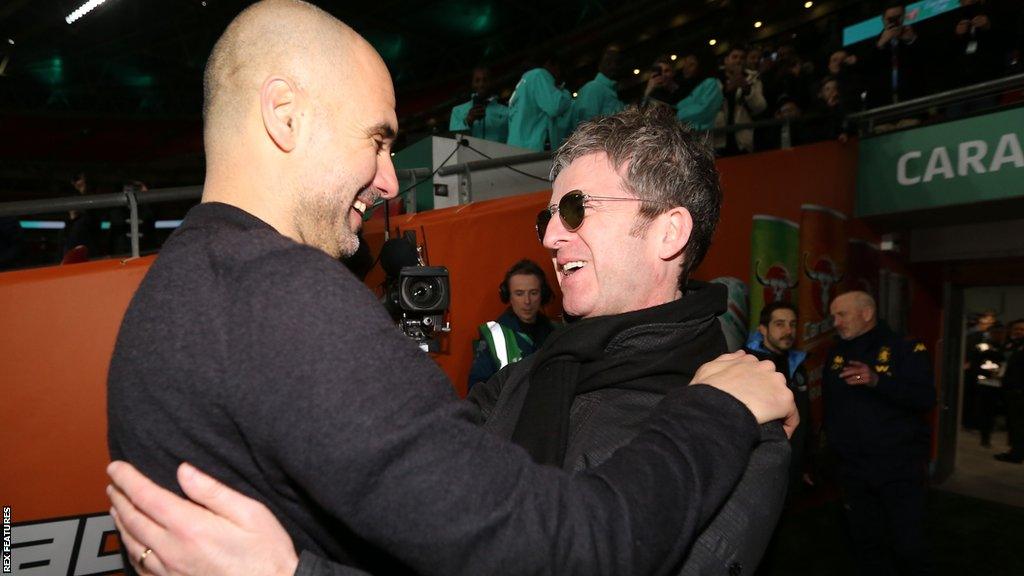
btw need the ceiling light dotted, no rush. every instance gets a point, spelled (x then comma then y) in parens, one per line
(808, 4)
(758, 24)
(673, 57)
(574, 94)
(83, 10)
(712, 42)
(636, 71)
(10, 41)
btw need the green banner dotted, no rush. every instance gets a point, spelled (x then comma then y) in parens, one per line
(774, 258)
(953, 163)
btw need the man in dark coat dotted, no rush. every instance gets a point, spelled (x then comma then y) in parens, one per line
(878, 390)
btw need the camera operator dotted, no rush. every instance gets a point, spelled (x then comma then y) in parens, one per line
(483, 116)
(521, 329)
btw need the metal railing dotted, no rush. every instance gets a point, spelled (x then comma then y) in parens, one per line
(132, 199)
(955, 96)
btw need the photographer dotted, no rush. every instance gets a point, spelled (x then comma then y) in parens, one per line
(481, 117)
(661, 87)
(895, 61)
(743, 100)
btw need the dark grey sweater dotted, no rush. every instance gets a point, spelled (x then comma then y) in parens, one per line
(267, 364)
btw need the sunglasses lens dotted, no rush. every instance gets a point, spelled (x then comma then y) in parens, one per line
(543, 217)
(570, 210)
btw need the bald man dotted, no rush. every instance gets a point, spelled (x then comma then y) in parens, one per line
(878, 390)
(249, 351)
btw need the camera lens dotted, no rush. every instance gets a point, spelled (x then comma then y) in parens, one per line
(424, 293)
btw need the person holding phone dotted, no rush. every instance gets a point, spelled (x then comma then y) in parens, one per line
(482, 116)
(878, 388)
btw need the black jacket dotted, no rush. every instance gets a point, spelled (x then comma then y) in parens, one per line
(603, 420)
(886, 424)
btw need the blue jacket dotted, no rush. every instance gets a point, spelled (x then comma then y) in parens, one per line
(796, 379)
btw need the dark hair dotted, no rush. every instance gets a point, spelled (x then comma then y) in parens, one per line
(525, 267)
(769, 309)
(1015, 322)
(667, 163)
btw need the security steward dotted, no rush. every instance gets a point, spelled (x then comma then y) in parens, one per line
(878, 390)
(521, 329)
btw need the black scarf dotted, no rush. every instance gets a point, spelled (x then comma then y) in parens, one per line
(650, 350)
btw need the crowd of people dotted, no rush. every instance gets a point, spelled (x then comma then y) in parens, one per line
(748, 84)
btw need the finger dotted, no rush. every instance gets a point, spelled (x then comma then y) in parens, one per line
(216, 497)
(162, 506)
(135, 526)
(134, 549)
(790, 423)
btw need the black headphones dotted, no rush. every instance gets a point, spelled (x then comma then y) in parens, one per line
(529, 267)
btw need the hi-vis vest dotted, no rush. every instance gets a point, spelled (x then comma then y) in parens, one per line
(502, 343)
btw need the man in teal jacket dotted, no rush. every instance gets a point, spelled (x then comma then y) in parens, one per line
(535, 106)
(482, 116)
(599, 97)
(699, 107)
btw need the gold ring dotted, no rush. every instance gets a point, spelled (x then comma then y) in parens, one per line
(142, 558)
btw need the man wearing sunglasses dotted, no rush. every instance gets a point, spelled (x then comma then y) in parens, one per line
(253, 354)
(635, 203)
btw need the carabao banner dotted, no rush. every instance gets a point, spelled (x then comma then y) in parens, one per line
(734, 320)
(822, 269)
(959, 162)
(774, 259)
(863, 267)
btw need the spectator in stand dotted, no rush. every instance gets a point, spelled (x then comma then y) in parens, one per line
(754, 59)
(702, 95)
(785, 135)
(894, 62)
(599, 97)
(482, 116)
(826, 114)
(535, 107)
(976, 48)
(82, 227)
(843, 67)
(662, 87)
(743, 99)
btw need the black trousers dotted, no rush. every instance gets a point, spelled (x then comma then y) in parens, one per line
(885, 524)
(1015, 420)
(985, 400)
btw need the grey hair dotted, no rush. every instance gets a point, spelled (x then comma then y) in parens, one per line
(668, 164)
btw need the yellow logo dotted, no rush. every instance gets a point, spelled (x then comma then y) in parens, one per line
(920, 347)
(882, 368)
(883, 355)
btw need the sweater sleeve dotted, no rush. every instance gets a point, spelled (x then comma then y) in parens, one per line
(700, 107)
(355, 416)
(457, 122)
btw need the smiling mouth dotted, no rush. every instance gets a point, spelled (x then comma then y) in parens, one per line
(359, 206)
(569, 268)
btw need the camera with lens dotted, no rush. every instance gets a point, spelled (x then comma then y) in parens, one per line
(417, 296)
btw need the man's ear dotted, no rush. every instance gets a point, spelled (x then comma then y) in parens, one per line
(675, 232)
(763, 330)
(279, 108)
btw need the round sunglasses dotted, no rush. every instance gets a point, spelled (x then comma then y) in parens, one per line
(571, 210)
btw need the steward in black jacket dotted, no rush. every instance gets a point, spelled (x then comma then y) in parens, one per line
(885, 423)
(878, 390)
